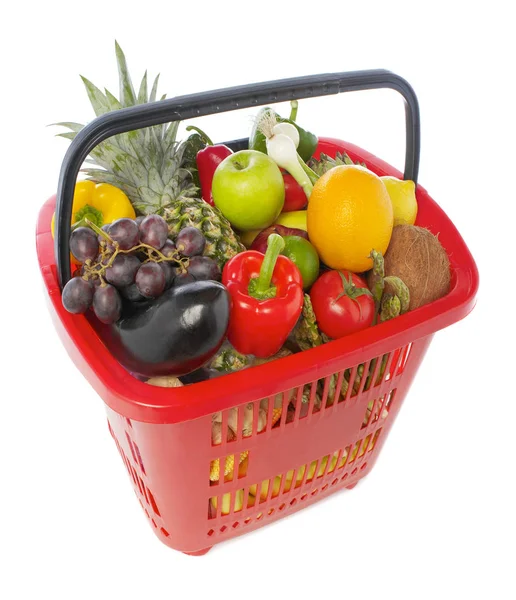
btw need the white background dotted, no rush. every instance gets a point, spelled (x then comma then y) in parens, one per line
(435, 518)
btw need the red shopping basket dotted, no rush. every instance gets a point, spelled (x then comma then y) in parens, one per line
(353, 387)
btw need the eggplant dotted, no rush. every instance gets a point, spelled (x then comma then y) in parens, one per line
(202, 374)
(174, 334)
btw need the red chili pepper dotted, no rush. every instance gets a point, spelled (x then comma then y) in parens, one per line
(208, 159)
(267, 298)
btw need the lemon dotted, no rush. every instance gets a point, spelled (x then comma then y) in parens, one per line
(295, 219)
(349, 214)
(403, 198)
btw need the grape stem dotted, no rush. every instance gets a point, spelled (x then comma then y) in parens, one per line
(98, 269)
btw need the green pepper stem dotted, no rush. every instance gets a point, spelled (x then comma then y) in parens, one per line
(312, 175)
(97, 229)
(260, 287)
(293, 110)
(205, 138)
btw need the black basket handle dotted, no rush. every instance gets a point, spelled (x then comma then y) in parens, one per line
(215, 101)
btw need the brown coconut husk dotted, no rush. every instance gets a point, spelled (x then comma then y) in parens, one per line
(416, 256)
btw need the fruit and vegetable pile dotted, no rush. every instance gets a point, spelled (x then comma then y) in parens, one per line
(192, 260)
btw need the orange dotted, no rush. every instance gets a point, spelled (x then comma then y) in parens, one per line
(349, 214)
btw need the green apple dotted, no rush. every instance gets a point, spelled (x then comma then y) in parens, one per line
(248, 189)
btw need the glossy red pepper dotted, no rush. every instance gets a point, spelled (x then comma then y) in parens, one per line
(208, 159)
(295, 197)
(267, 297)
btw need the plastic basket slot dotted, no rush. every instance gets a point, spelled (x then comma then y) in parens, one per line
(325, 400)
(404, 359)
(137, 479)
(375, 439)
(285, 403)
(144, 488)
(338, 388)
(374, 370)
(349, 376)
(364, 370)
(139, 457)
(152, 502)
(229, 465)
(269, 411)
(130, 444)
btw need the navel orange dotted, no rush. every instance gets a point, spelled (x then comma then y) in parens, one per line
(349, 214)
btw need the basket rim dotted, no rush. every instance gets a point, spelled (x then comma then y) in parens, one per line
(136, 400)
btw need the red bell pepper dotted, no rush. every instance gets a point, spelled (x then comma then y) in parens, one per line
(267, 298)
(208, 159)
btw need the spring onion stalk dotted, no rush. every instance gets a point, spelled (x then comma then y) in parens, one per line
(312, 175)
(281, 147)
(287, 129)
(293, 109)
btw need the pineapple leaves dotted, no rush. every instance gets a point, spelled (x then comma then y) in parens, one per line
(155, 181)
(127, 94)
(114, 104)
(69, 135)
(142, 93)
(154, 90)
(169, 135)
(76, 127)
(98, 101)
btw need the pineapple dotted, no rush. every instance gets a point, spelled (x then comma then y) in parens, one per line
(325, 162)
(153, 168)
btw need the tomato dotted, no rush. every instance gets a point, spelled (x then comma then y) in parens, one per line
(342, 303)
(295, 197)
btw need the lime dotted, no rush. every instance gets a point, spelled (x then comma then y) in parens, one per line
(304, 256)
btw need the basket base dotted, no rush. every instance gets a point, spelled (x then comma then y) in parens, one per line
(199, 552)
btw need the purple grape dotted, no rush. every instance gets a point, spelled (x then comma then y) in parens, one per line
(168, 270)
(125, 232)
(203, 268)
(107, 304)
(168, 249)
(190, 242)
(182, 277)
(139, 219)
(77, 295)
(150, 280)
(84, 244)
(131, 293)
(122, 270)
(154, 231)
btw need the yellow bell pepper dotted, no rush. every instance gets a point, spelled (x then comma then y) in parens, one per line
(101, 202)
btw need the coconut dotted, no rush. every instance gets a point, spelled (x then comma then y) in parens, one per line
(416, 256)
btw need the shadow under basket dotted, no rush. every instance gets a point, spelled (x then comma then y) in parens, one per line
(318, 419)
